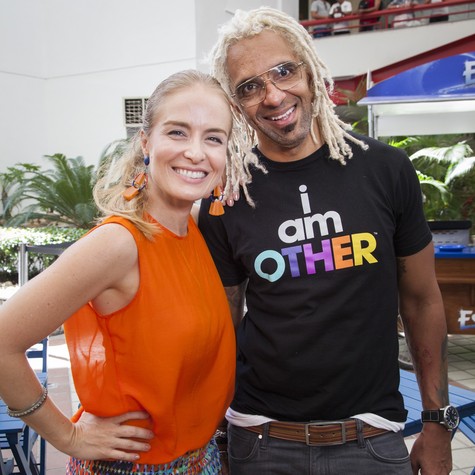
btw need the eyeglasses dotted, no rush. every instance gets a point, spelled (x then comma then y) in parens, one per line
(283, 76)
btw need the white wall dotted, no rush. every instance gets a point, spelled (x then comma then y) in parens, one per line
(21, 37)
(22, 124)
(67, 65)
(22, 119)
(356, 54)
(98, 53)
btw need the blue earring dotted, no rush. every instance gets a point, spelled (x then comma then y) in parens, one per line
(146, 160)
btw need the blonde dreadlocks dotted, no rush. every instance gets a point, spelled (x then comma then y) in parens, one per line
(333, 131)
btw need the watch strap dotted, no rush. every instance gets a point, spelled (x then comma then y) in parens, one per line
(431, 416)
(447, 416)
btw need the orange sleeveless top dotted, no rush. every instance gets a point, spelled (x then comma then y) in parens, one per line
(169, 352)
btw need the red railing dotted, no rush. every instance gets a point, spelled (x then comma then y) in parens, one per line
(385, 17)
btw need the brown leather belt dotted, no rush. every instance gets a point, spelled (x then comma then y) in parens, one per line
(317, 433)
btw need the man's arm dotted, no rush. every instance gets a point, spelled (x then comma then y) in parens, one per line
(316, 13)
(236, 297)
(377, 4)
(422, 311)
(346, 8)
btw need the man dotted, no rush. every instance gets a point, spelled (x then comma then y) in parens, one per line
(329, 244)
(438, 14)
(368, 6)
(319, 10)
(402, 20)
(340, 9)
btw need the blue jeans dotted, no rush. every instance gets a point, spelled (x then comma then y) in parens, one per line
(252, 454)
(321, 33)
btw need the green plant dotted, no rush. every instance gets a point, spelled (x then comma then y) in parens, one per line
(429, 185)
(62, 194)
(454, 167)
(9, 183)
(446, 173)
(11, 238)
(113, 151)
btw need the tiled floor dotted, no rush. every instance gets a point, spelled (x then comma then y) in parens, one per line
(462, 360)
(59, 389)
(462, 372)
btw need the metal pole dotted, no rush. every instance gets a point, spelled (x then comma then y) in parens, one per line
(22, 265)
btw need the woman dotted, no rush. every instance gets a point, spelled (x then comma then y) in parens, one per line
(146, 318)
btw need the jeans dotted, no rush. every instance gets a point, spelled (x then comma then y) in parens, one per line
(321, 33)
(437, 19)
(252, 454)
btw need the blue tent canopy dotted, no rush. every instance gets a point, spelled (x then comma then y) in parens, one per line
(451, 78)
(433, 98)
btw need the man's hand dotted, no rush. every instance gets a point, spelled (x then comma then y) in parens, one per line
(230, 201)
(431, 453)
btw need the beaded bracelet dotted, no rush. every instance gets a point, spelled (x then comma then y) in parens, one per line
(31, 409)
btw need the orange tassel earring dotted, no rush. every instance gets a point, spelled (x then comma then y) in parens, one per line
(138, 184)
(216, 208)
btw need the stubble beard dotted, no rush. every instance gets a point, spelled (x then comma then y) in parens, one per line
(282, 138)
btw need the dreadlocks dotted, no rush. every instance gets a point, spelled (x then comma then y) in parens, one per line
(333, 131)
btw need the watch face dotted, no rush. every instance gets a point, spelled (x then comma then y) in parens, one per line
(451, 417)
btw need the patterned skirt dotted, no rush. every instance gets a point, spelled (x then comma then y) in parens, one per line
(204, 461)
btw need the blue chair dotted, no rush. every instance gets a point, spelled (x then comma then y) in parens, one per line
(15, 435)
(39, 351)
(24, 459)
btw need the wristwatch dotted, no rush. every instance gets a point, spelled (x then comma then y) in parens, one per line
(448, 416)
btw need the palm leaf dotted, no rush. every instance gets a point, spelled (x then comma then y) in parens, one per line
(460, 169)
(425, 180)
(60, 194)
(403, 143)
(452, 154)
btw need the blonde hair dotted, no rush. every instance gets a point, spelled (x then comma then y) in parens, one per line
(116, 175)
(333, 130)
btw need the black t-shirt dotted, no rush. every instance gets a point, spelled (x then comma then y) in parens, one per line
(319, 339)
